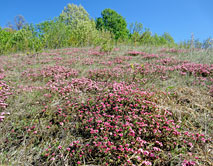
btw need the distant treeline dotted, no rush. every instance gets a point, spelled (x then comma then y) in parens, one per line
(74, 28)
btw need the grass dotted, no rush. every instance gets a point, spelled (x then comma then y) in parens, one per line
(77, 106)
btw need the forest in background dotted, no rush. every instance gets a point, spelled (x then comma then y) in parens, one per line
(75, 28)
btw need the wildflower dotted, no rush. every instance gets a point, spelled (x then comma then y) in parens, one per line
(147, 163)
(146, 153)
(68, 149)
(53, 158)
(121, 134)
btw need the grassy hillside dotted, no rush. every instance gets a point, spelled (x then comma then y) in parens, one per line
(134, 106)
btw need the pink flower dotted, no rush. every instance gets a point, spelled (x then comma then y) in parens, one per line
(121, 134)
(59, 147)
(68, 149)
(146, 153)
(152, 155)
(53, 158)
(147, 163)
(190, 144)
(78, 162)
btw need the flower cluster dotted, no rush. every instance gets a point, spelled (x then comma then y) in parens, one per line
(5, 92)
(135, 53)
(51, 72)
(173, 50)
(73, 108)
(124, 127)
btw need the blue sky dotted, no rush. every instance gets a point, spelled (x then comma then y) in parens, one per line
(178, 17)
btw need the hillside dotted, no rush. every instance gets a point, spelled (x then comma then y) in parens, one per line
(132, 106)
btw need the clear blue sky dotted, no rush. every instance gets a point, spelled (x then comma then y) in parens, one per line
(178, 17)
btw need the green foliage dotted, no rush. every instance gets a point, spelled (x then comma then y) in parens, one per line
(83, 34)
(112, 22)
(136, 28)
(54, 33)
(146, 37)
(168, 38)
(74, 28)
(106, 41)
(74, 13)
(4, 37)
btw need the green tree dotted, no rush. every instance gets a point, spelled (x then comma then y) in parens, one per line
(136, 28)
(156, 39)
(54, 33)
(112, 22)
(146, 37)
(169, 39)
(4, 38)
(73, 13)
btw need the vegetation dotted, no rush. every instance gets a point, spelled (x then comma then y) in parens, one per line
(112, 22)
(74, 27)
(133, 106)
(72, 93)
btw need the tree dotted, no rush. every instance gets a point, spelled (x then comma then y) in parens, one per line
(136, 28)
(135, 31)
(19, 21)
(168, 38)
(73, 13)
(112, 22)
(208, 43)
(146, 37)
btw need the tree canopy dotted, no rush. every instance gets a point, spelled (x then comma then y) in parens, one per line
(113, 22)
(73, 13)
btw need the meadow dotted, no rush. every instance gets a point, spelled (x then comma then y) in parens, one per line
(140, 105)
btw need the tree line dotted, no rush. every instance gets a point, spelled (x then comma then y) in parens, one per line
(74, 28)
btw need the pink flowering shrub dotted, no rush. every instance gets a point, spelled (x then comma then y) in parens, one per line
(151, 56)
(51, 72)
(77, 106)
(122, 126)
(203, 70)
(135, 53)
(173, 50)
(96, 53)
(170, 61)
(5, 92)
(2, 75)
(106, 74)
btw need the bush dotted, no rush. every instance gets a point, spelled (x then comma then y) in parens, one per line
(83, 34)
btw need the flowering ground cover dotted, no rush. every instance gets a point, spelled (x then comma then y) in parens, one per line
(80, 106)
